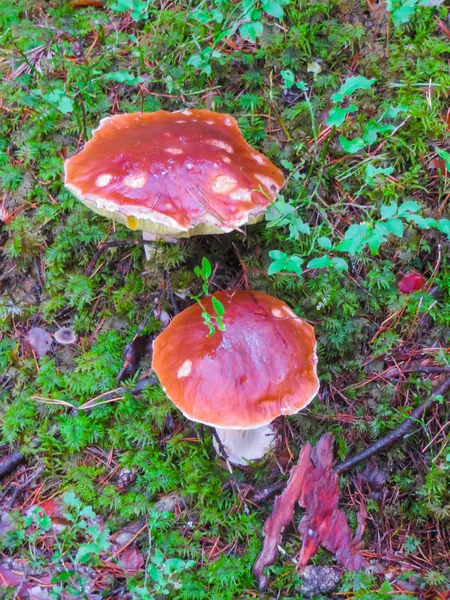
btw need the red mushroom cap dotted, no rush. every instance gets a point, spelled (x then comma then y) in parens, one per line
(263, 365)
(174, 174)
(411, 282)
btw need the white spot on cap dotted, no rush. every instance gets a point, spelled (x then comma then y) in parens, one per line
(276, 313)
(187, 112)
(221, 144)
(259, 159)
(210, 122)
(185, 369)
(180, 121)
(167, 206)
(222, 184)
(241, 194)
(226, 159)
(135, 181)
(228, 122)
(269, 183)
(103, 180)
(174, 150)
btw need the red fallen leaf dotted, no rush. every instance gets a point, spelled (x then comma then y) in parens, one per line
(411, 282)
(324, 524)
(131, 560)
(282, 513)
(51, 507)
(317, 489)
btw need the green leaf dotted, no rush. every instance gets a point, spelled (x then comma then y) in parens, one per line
(394, 111)
(388, 210)
(351, 85)
(289, 78)
(374, 241)
(87, 512)
(302, 86)
(124, 77)
(395, 226)
(218, 306)
(287, 163)
(319, 263)
(339, 264)
(373, 172)
(421, 221)
(122, 5)
(70, 499)
(273, 9)
(251, 30)
(372, 129)
(298, 226)
(404, 12)
(445, 156)
(351, 146)
(444, 226)
(65, 105)
(275, 267)
(325, 242)
(294, 264)
(158, 558)
(337, 115)
(277, 255)
(86, 552)
(406, 207)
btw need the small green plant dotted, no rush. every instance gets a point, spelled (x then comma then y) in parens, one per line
(211, 321)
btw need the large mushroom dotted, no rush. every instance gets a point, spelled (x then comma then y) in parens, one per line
(239, 380)
(173, 175)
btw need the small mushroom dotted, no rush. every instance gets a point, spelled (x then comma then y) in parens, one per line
(173, 175)
(411, 282)
(65, 336)
(239, 380)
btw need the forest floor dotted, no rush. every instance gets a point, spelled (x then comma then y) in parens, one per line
(127, 499)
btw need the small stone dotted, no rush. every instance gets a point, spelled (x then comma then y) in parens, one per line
(318, 580)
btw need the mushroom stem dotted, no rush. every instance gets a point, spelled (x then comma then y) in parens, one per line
(244, 445)
(153, 237)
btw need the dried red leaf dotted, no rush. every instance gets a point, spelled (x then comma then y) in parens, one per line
(131, 559)
(323, 524)
(282, 513)
(411, 282)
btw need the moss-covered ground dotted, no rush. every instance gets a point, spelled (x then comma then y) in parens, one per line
(365, 203)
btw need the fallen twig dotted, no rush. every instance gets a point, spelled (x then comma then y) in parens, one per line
(105, 398)
(25, 484)
(10, 463)
(397, 434)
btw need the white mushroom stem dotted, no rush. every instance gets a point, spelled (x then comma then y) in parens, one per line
(153, 237)
(244, 445)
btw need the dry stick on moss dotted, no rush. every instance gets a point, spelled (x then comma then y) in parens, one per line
(10, 463)
(397, 435)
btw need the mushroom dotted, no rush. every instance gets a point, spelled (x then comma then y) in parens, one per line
(239, 380)
(173, 175)
(65, 336)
